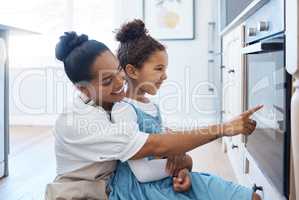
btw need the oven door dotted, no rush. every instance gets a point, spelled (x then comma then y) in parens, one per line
(268, 83)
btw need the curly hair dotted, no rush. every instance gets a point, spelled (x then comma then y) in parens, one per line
(136, 45)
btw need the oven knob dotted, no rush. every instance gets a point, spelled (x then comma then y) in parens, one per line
(257, 188)
(252, 32)
(263, 26)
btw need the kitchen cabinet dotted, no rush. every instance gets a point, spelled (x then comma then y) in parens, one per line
(230, 9)
(254, 176)
(248, 169)
(232, 78)
(233, 92)
(245, 167)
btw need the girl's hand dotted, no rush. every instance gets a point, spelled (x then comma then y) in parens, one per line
(175, 164)
(182, 183)
(242, 124)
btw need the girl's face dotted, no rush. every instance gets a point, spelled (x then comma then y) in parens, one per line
(107, 84)
(152, 73)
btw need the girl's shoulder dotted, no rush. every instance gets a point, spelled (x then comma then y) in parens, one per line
(120, 105)
(123, 111)
(148, 107)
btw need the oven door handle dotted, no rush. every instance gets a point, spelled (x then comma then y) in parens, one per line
(266, 46)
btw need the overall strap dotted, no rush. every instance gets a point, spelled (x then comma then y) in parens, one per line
(135, 109)
(158, 112)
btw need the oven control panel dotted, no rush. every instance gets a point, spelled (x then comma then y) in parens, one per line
(267, 21)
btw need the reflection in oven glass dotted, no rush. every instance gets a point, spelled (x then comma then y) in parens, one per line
(266, 85)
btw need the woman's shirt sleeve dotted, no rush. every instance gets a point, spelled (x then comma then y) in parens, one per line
(92, 137)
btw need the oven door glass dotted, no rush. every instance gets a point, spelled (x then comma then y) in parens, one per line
(266, 84)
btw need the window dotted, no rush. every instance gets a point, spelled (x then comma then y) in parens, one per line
(51, 18)
(97, 18)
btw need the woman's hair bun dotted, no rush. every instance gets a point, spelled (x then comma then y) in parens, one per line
(68, 42)
(131, 31)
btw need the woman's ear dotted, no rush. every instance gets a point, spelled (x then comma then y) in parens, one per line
(131, 71)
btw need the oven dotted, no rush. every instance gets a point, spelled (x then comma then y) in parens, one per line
(267, 82)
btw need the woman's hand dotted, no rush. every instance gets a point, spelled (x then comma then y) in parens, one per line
(242, 124)
(182, 183)
(176, 163)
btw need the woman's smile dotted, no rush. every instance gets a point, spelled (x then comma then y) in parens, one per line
(119, 92)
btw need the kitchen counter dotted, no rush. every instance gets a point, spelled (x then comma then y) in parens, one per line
(16, 30)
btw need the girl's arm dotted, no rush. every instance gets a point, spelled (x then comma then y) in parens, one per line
(148, 170)
(153, 170)
(143, 169)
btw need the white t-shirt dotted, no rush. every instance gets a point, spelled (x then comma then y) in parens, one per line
(144, 170)
(84, 135)
(123, 111)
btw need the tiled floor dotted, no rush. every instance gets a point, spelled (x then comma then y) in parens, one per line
(32, 163)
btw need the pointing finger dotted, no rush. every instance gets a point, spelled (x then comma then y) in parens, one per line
(251, 111)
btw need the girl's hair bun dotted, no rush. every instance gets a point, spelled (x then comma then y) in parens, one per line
(68, 42)
(131, 31)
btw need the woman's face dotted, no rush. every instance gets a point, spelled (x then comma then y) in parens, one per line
(107, 84)
(151, 75)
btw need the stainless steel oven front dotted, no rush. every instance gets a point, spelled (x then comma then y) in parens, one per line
(268, 83)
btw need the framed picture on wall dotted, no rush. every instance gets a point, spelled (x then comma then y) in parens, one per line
(170, 19)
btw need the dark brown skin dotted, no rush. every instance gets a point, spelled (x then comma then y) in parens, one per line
(180, 167)
(182, 183)
(107, 79)
(176, 163)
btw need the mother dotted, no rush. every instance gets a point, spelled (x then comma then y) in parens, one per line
(87, 144)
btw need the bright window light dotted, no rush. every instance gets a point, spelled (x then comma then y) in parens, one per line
(96, 18)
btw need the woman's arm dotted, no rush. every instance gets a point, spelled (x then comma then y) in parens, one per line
(183, 141)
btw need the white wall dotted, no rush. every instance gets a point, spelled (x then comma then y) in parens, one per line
(188, 69)
(38, 95)
(182, 98)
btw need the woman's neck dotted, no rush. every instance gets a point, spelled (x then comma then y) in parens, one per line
(136, 94)
(107, 106)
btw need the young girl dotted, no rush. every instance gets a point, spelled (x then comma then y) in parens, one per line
(144, 61)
